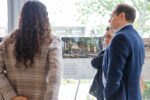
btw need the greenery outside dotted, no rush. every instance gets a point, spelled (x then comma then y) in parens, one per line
(102, 9)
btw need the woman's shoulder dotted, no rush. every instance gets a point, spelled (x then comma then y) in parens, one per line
(54, 37)
(55, 41)
(5, 40)
(51, 39)
(10, 38)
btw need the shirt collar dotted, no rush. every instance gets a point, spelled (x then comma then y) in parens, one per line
(121, 28)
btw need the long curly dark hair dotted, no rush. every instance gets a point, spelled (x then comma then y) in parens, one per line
(33, 27)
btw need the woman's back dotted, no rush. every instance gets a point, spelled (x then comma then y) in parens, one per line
(30, 58)
(42, 79)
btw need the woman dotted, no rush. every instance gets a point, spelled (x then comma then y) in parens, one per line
(97, 85)
(30, 58)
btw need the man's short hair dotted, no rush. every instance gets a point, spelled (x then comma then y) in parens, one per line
(129, 11)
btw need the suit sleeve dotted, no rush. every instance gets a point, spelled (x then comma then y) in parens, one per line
(55, 73)
(6, 90)
(119, 52)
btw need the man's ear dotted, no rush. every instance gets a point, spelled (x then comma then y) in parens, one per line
(122, 15)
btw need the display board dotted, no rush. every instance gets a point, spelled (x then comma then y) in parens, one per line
(79, 51)
(78, 68)
(146, 67)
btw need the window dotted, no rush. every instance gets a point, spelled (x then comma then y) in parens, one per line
(84, 18)
(3, 18)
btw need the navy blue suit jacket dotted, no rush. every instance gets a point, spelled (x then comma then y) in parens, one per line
(122, 65)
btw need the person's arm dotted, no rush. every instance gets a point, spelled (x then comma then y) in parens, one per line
(97, 61)
(55, 64)
(119, 52)
(6, 90)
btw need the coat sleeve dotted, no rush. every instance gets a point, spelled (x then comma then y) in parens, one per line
(6, 90)
(55, 73)
(119, 52)
(97, 61)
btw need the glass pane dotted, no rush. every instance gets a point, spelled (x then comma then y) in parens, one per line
(65, 19)
(89, 18)
(3, 18)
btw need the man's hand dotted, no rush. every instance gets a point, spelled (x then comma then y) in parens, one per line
(20, 98)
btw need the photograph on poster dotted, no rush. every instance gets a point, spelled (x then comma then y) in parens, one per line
(81, 47)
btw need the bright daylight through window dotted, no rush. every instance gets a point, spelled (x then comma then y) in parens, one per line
(89, 18)
(3, 18)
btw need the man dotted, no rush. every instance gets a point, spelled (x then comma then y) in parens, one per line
(124, 57)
